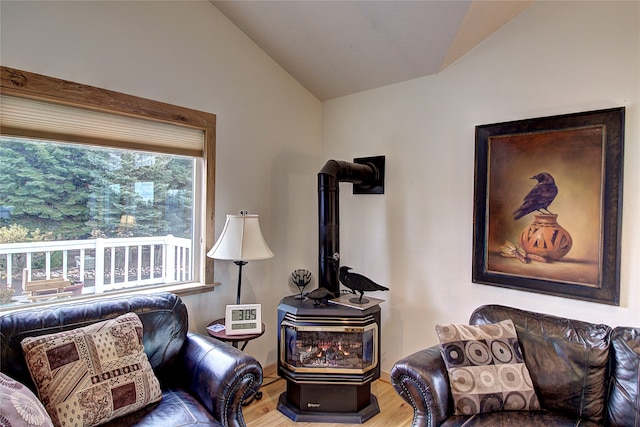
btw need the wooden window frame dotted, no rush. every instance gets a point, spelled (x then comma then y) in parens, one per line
(24, 84)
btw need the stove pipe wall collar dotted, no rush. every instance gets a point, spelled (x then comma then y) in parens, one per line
(367, 176)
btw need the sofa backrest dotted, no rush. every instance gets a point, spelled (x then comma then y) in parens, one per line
(623, 406)
(567, 359)
(163, 316)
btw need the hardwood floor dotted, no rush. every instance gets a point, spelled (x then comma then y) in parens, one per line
(264, 413)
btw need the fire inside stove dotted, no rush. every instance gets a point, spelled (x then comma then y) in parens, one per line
(346, 349)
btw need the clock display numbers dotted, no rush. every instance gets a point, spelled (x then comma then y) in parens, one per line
(246, 314)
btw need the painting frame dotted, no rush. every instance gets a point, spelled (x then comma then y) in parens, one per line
(584, 151)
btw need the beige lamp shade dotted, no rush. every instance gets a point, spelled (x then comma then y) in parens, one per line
(241, 240)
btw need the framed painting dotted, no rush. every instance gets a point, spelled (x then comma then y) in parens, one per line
(548, 205)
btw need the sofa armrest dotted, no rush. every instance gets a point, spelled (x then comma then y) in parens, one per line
(220, 376)
(422, 380)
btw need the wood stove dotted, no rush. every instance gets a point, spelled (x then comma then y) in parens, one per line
(329, 355)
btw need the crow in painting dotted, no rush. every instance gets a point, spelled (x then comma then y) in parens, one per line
(539, 197)
(358, 283)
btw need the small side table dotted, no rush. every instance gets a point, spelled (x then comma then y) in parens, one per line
(235, 340)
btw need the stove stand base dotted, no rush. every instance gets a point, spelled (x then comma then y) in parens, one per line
(359, 417)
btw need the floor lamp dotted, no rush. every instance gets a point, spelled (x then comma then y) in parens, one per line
(241, 241)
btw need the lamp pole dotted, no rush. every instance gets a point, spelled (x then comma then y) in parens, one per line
(239, 264)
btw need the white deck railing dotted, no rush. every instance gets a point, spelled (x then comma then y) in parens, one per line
(110, 263)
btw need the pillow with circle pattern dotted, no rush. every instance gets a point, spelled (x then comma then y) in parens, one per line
(89, 375)
(19, 406)
(486, 369)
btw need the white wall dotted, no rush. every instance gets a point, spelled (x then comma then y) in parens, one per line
(554, 58)
(189, 54)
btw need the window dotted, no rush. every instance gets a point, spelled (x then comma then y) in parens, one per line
(102, 188)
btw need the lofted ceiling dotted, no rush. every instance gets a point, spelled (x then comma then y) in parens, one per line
(338, 47)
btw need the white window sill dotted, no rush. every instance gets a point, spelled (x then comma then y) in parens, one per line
(180, 289)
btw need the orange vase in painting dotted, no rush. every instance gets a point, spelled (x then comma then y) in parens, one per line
(546, 238)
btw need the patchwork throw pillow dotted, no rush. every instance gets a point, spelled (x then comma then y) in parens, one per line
(19, 406)
(93, 374)
(486, 369)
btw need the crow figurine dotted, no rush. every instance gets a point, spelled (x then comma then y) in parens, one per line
(540, 196)
(358, 283)
(320, 296)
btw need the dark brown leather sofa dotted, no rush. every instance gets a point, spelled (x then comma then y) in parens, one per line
(584, 375)
(204, 381)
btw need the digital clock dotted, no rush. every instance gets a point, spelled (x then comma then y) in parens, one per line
(243, 319)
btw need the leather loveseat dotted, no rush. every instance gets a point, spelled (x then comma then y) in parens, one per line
(584, 375)
(204, 381)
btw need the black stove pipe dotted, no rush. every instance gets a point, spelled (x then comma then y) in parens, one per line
(329, 178)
